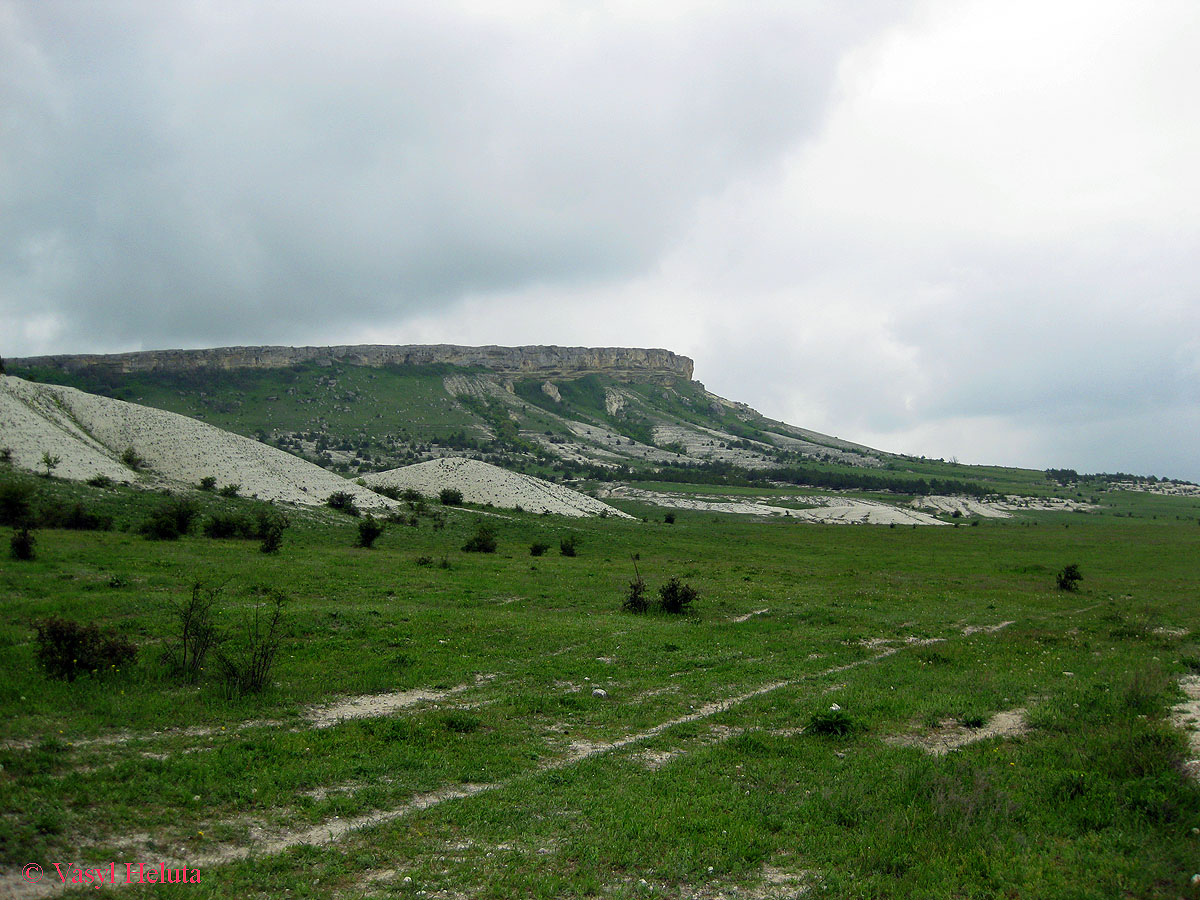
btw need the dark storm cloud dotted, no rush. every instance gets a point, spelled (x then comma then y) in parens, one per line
(181, 173)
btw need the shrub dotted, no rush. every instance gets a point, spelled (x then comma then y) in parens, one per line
(228, 525)
(230, 490)
(1068, 579)
(537, 548)
(483, 541)
(208, 483)
(66, 649)
(197, 633)
(368, 530)
(567, 545)
(669, 518)
(676, 598)
(132, 459)
(832, 722)
(271, 525)
(409, 495)
(5, 455)
(77, 518)
(50, 462)
(15, 505)
(169, 520)
(21, 545)
(343, 502)
(635, 597)
(450, 497)
(100, 481)
(245, 663)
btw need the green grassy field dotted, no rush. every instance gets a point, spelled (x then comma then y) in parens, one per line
(700, 774)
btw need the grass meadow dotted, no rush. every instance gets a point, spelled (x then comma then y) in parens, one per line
(713, 765)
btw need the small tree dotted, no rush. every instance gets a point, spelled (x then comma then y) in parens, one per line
(22, 543)
(368, 530)
(635, 597)
(208, 483)
(1068, 579)
(271, 525)
(676, 597)
(343, 502)
(450, 497)
(568, 545)
(50, 462)
(483, 541)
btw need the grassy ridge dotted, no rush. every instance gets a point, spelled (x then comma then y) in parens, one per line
(1089, 802)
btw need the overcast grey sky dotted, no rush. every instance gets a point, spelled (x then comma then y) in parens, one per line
(960, 228)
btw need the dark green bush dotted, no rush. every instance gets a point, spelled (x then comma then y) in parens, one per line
(669, 518)
(676, 597)
(75, 518)
(568, 544)
(230, 490)
(537, 548)
(132, 459)
(170, 520)
(483, 541)
(832, 722)
(369, 529)
(229, 525)
(450, 497)
(343, 502)
(16, 504)
(271, 525)
(67, 649)
(21, 545)
(635, 597)
(101, 481)
(1068, 579)
(208, 483)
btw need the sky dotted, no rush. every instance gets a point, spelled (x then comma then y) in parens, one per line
(962, 229)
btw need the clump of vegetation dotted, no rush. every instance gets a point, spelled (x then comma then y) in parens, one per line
(450, 497)
(208, 483)
(75, 518)
(15, 503)
(21, 545)
(1068, 579)
(227, 525)
(170, 520)
(369, 529)
(669, 518)
(50, 462)
(342, 501)
(676, 597)
(230, 490)
(538, 548)
(6, 455)
(99, 480)
(833, 723)
(271, 525)
(186, 653)
(483, 541)
(635, 596)
(245, 662)
(67, 649)
(567, 546)
(133, 459)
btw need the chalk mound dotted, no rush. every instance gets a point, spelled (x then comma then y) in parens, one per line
(481, 482)
(89, 434)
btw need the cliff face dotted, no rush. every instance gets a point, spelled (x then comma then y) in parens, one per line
(618, 362)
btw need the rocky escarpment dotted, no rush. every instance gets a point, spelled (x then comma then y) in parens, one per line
(618, 362)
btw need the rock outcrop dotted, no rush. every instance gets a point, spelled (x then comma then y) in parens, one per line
(536, 361)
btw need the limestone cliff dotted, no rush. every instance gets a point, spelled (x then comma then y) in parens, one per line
(535, 361)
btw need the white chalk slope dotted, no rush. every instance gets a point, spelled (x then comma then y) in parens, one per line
(89, 433)
(481, 482)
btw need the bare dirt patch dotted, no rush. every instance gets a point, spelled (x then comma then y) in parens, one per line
(1186, 717)
(951, 734)
(987, 629)
(750, 615)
